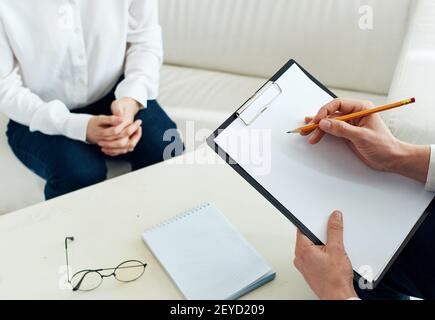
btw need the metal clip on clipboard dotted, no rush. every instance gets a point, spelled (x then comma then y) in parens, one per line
(259, 102)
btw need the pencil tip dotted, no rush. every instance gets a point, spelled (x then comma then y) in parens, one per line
(412, 100)
(293, 131)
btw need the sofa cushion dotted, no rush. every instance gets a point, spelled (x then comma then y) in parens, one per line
(255, 37)
(206, 99)
(415, 77)
(19, 186)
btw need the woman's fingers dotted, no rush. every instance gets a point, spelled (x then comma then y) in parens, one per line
(126, 132)
(124, 147)
(115, 144)
(130, 130)
(109, 120)
(134, 140)
(114, 152)
(114, 130)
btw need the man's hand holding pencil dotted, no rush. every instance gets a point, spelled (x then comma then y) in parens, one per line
(370, 139)
(374, 144)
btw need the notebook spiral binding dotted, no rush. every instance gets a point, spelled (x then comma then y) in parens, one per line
(178, 217)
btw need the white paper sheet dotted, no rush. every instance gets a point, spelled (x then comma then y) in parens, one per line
(379, 209)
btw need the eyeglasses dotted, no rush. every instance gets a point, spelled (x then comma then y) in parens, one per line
(90, 279)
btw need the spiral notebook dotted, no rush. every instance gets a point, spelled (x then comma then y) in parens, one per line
(206, 257)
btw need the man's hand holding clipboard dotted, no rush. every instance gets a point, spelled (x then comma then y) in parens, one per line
(327, 269)
(358, 167)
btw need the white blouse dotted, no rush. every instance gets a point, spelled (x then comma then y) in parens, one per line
(59, 55)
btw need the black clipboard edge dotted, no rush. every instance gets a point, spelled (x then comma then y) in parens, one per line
(278, 205)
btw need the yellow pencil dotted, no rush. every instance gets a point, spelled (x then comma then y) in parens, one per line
(356, 115)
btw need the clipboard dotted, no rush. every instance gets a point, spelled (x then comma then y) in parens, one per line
(247, 116)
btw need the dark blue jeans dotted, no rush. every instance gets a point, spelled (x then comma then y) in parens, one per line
(68, 165)
(413, 273)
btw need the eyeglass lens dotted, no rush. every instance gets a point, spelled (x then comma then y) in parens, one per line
(127, 271)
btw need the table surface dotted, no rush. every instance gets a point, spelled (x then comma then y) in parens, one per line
(108, 219)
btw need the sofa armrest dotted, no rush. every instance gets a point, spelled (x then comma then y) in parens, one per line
(415, 77)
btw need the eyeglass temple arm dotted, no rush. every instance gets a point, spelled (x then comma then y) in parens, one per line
(129, 267)
(66, 256)
(77, 286)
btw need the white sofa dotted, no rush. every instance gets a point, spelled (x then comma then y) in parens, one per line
(218, 52)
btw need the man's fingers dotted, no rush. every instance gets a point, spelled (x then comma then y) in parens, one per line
(302, 240)
(343, 106)
(305, 133)
(308, 119)
(335, 230)
(342, 129)
(302, 245)
(316, 136)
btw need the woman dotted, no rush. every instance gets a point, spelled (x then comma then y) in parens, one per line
(78, 80)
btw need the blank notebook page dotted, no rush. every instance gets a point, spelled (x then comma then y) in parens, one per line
(380, 209)
(205, 255)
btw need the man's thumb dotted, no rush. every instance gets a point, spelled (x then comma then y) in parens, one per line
(335, 229)
(340, 129)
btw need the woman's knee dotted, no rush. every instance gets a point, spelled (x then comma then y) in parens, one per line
(85, 177)
(160, 138)
(77, 178)
(77, 171)
(160, 149)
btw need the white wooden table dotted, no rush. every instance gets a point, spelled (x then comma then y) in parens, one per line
(107, 221)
